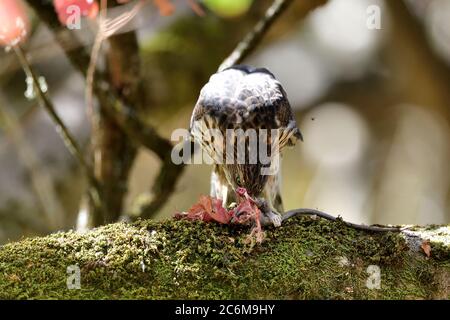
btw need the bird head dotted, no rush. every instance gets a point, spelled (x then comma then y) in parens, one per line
(247, 176)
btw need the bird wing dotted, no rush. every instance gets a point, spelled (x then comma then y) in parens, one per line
(242, 97)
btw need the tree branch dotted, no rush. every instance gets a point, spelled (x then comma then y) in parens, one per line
(254, 37)
(313, 212)
(41, 182)
(61, 128)
(303, 259)
(113, 153)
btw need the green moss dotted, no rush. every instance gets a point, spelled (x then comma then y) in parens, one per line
(440, 252)
(303, 259)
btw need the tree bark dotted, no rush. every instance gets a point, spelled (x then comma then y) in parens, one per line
(114, 153)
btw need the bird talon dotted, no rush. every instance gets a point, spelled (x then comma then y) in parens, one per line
(276, 220)
(270, 218)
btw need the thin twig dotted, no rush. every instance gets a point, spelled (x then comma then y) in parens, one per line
(314, 212)
(69, 141)
(41, 182)
(61, 128)
(253, 38)
(107, 27)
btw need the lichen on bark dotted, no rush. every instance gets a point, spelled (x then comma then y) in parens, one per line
(305, 258)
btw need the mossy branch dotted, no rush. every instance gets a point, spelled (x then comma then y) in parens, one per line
(305, 258)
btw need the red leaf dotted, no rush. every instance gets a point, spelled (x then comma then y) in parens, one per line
(196, 8)
(219, 213)
(166, 8)
(210, 209)
(207, 209)
(426, 247)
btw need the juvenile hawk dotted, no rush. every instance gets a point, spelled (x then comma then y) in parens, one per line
(242, 97)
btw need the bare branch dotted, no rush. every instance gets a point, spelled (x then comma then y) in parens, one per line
(313, 212)
(162, 188)
(252, 39)
(61, 128)
(41, 182)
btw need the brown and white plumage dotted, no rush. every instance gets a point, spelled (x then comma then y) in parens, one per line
(243, 97)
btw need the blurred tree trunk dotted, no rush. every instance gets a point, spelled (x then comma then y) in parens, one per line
(113, 151)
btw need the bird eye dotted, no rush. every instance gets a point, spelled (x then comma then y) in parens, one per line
(238, 180)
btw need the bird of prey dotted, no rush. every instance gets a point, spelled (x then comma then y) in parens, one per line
(245, 99)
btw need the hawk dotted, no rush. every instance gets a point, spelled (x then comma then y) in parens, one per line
(234, 108)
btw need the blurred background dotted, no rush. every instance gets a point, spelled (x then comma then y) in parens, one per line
(373, 105)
